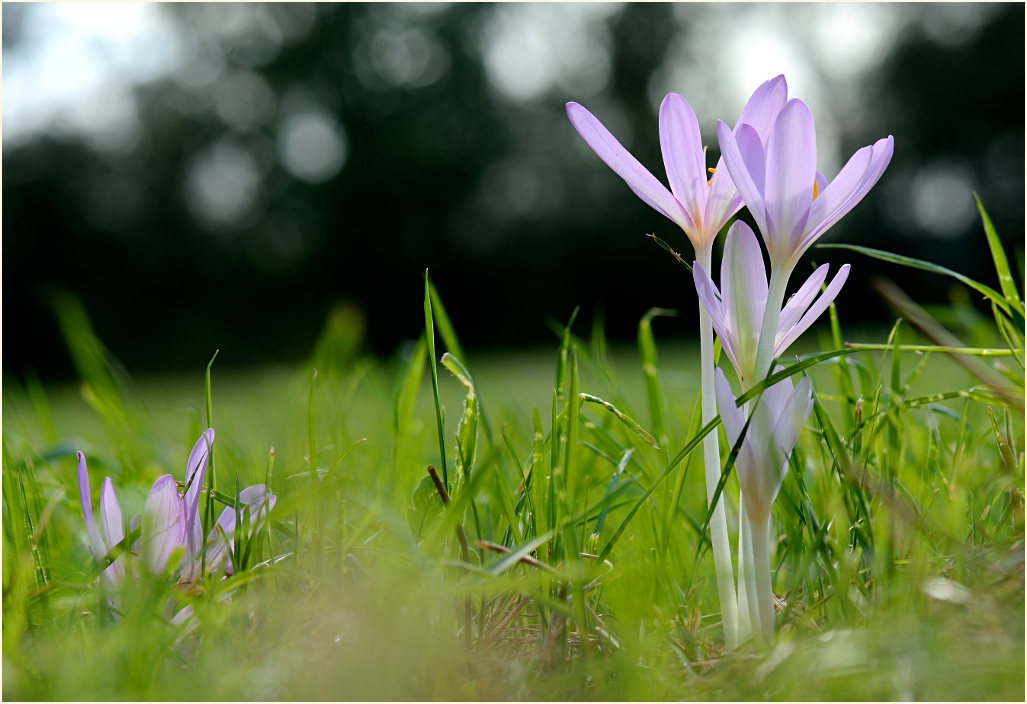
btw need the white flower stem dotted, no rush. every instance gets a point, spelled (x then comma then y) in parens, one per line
(711, 461)
(768, 331)
(756, 536)
(748, 615)
(760, 533)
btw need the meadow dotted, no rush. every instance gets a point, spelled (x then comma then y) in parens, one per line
(570, 556)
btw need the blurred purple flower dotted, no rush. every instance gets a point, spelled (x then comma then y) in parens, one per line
(738, 307)
(171, 522)
(110, 516)
(793, 204)
(700, 206)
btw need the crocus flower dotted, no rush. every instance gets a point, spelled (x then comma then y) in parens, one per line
(254, 504)
(699, 205)
(738, 307)
(170, 521)
(793, 204)
(773, 431)
(761, 464)
(110, 517)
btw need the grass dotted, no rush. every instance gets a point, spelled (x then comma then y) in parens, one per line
(571, 560)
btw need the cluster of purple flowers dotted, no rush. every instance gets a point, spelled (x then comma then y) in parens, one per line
(768, 163)
(170, 525)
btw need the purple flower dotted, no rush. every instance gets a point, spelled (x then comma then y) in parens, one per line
(170, 521)
(792, 203)
(738, 307)
(110, 517)
(699, 205)
(773, 431)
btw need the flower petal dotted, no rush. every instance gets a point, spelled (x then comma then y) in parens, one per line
(724, 200)
(708, 297)
(791, 172)
(880, 156)
(195, 469)
(743, 155)
(743, 282)
(841, 189)
(163, 523)
(110, 515)
(799, 302)
(638, 178)
(683, 155)
(731, 416)
(113, 528)
(733, 419)
(791, 416)
(764, 105)
(96, 544)
(815, 311)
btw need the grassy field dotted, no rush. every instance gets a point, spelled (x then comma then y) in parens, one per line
(568, 565)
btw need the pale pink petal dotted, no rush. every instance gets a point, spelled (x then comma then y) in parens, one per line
(163, 523)
(821, 187)
(708, 297)
(96, 544)
(799, 302)
(113, 529)
(724, 200)
(683, 156)
(743, 282)
(844, 185)
(195, 470)
(743, 155)
(638, 178)
(791, 415)
(764, 105)
(815, 311)
(880, 156)
(731, 415)
(791, 172)
(733, 419)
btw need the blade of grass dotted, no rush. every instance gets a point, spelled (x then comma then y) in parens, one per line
(986, 291)
(429, 335)
(1005, 276)
(624, 418)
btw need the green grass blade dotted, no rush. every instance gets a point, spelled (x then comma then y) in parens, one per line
(429, 335)
(1005, 276)
(987, 291)
(666, 247)
(647, 352)
(803, 363)
(685, 452)
(624, 418)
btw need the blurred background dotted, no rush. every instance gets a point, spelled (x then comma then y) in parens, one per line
(239, 176)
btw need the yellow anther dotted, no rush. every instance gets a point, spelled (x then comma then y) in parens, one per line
(711, 170)
(815, 193)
